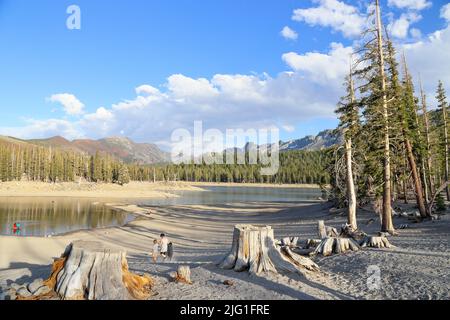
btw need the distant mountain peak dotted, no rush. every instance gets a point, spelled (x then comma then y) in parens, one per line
(324, 139)
(121, 148)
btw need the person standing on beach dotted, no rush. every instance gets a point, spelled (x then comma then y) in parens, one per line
(164, 243)
(156, 251)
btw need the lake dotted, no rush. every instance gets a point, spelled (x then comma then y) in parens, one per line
(46, 216)
(222, 195)
(42, 217)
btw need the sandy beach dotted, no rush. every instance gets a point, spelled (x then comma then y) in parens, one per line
(94, 190)
(417, 268)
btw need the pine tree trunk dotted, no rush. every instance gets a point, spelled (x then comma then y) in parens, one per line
(416, 178)
(351, 195)
(427, 139)
(444, 113)
(386, 221)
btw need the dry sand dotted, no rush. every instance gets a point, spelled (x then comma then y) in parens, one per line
(418, 268)
(93, 190)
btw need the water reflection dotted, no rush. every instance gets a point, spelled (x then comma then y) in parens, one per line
(43, 217)
(222, 195)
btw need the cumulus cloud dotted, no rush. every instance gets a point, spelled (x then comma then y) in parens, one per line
(289, 34)
(428, 57)
(445, 12)
(319, 67)
(400, 27)
(39, 129)
(410, 4)
(71, 105)
(146, 89)
(334, 14)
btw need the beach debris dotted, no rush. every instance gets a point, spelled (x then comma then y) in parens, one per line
(24, 292)
(336, 245)
(324, 231)
(384, 234)
(8, 294)
(89, 270)
(312, 243)
(229, 283)
(376, 242)
(370, 221)
(183, 275)
(348, 231)
(255, 250)
(289, 242)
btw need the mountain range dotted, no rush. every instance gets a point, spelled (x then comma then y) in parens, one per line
(145, 153)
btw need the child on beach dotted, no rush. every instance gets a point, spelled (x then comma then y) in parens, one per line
(155, 252)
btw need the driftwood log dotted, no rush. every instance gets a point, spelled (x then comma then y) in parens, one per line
(93, 271)
(332, 245)
(254, 249)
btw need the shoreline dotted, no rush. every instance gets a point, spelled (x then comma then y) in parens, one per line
(255, 185)
(133, 190)
(202, 234)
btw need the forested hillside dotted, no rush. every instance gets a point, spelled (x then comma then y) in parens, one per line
(20, 160)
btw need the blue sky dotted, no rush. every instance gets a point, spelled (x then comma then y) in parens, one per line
(170, 45)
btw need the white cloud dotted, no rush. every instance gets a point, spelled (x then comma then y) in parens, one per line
(71, 105)
(43, 129)
(445, 12)
(308, 90)
(416, 33)
(410, 4)
(400, 27)
(288, 128)
(429, 58)
(147, 89)
(334, 14)
(289, 34)
(319, 67)
(187, 88)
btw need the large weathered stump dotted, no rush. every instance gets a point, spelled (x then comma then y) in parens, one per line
(93, 271)
(254, 249)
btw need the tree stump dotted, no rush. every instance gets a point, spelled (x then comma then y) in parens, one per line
(349, 232)
(376, 242)
(324, 231)
(328, 246)
(183, 275)
(321, 229)
(254, 249)
(93, 271)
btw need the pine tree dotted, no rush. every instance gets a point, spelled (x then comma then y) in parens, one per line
(350, 125)
(123, 175)
(442, 107)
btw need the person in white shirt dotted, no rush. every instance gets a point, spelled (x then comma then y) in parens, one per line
(164, 244)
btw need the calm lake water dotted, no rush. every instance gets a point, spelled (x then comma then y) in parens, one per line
(222, 195)
(46, 216)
